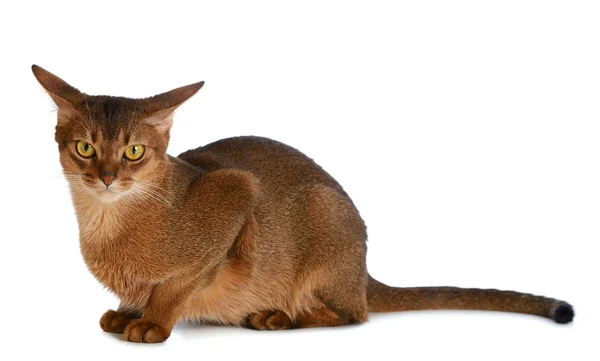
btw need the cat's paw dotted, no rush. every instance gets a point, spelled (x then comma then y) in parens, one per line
(143, 330)
(269, 320)
(113, 321)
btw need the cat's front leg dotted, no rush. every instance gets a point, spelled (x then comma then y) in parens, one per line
(220, 227)
(165, 307)
(134, 299)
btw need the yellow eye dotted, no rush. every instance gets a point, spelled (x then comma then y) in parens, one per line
(134, 152)
(84, 149)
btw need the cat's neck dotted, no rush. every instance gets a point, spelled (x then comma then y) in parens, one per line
(97, 220)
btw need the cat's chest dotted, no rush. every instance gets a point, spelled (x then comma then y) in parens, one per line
(109, 265)
(122, 248)
(124, 257)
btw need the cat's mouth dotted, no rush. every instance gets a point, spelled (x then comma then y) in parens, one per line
(105, 193)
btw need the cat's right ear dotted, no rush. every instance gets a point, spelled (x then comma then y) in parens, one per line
(160, 107)
(64, 95)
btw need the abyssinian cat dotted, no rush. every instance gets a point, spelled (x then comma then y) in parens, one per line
(244, 231)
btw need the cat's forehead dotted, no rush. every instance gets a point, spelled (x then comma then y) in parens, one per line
(114, 118)
(114, 137)
(104, 119)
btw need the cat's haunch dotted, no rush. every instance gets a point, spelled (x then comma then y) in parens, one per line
(244, 231)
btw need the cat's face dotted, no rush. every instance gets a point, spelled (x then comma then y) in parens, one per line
(112, 147)
(108, 150)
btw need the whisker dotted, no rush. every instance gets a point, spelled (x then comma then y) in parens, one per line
(89, 111)
(156, 189)
(154, 195)
(142, 193)
(78, 122)
(154, 186)
(68, 172)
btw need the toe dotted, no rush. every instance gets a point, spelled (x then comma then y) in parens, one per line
(279, 321)
(113, 321)
(155, 334)
(145, 331)
(257, 321)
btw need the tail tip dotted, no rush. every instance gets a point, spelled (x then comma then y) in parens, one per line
(563, 313)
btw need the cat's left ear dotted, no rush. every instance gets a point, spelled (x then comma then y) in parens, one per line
(160, 107)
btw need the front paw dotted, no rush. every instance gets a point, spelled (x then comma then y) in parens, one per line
(143, 330)
(113, 321)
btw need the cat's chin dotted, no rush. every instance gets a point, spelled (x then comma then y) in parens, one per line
(107, 196)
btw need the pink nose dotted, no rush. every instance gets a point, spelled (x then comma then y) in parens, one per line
(107, 179)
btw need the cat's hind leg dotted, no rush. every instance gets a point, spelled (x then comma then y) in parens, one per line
(331, 284)
(334, 237)
(319, 315)
(323, 316)
(269, 320)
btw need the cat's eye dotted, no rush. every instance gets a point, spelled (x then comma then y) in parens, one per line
(134, 152)
(85, 149)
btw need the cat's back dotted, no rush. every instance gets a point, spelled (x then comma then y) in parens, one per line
(275, 164)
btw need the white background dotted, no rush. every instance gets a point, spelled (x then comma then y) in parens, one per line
(467, 132)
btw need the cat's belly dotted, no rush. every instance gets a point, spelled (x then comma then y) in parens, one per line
(226, 300)
(235, 294)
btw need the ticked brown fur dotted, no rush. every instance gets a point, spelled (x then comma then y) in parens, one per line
(244, 231)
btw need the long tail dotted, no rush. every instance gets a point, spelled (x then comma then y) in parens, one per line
(383, 298)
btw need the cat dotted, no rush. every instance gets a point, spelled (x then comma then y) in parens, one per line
(244, 231)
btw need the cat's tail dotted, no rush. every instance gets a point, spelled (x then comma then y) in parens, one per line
(383, 298)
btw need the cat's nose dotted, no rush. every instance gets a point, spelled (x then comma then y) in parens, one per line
(107, 178)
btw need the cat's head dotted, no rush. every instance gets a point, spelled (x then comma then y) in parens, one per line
(112, 146)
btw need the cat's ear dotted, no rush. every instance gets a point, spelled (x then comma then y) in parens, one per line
(64, 95)
(160, 107)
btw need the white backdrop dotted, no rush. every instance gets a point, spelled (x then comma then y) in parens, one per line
(467, 132)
